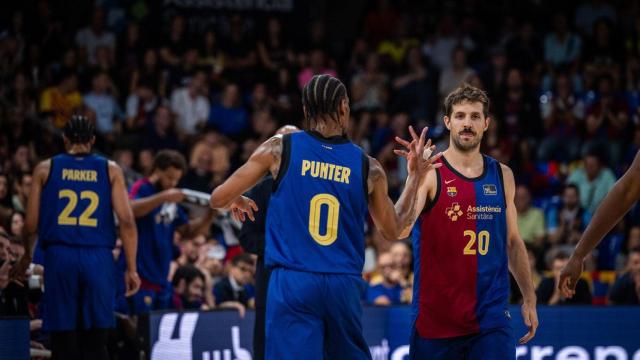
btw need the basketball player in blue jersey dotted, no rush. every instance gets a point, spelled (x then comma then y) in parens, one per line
(465, 242)
(618, 201)
(323, 186)
(73, 198)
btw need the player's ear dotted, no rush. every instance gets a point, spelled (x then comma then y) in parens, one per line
(447, 122)
(343, 109)
(487, 121)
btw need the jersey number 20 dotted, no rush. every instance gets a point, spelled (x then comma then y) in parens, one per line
(483, 242)
(333, 211)
(85, 218)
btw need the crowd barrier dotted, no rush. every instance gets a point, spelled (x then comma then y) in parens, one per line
(576, 333)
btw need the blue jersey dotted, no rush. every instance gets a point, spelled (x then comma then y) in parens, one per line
(155, 234)
(75, 205)
(317, 210)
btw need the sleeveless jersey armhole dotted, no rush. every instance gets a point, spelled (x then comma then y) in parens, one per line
(284, 161)
(365, 175)
(503, 190)
(429, 204)
(50, 172)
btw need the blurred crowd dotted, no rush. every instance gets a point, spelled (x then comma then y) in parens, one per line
(563, 79)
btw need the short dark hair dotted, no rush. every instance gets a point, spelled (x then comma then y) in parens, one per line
(322, 96)
(78, 129)
(188, 273)
(243, 258)
(561, 255)
(466, 92)
(165, 159)
(572, 186)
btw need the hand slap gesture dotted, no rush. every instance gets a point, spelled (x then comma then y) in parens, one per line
(418, 153)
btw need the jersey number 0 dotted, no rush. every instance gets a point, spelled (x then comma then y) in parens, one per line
(333, 211)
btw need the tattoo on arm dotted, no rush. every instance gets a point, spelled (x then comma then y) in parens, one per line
(275, 146)
(375, 173)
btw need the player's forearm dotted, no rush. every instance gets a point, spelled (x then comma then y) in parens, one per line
(611, 210)
(142, 207)
(519, 266)
(129, 236)
(405, 207)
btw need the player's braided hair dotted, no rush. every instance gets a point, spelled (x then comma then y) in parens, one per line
(79, 130)
(322, 96)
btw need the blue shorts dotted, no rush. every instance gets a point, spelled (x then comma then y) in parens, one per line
(314, 316)
(80, 288)
(493, 344)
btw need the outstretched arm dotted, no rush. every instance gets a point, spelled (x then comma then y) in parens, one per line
(617, 202)
(518, 258)
(395, 221)
(266, 158)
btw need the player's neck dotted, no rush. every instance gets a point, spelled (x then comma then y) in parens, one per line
(327, 129)
(76, 149)
(463, 159)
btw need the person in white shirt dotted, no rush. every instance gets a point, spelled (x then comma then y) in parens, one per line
(95, 36)
(191, 105)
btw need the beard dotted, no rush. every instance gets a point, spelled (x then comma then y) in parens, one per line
(467, 146)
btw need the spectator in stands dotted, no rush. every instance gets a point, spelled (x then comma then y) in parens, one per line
(161, 134)
(154, 201)
(562, 112)
(6, 204)
(188, 288)
(402, 262)
(235, 287)
(570, 219)
(388, 291)
(548, 292)
(591, 11)
(22, 187)
(59, 102)
(95, 36)
(140, 105)
(273, 50)
(175, 42)
(455, 74)
(199, 176)
(318, 64)
(562, 47)
(607, 121)
(191, 105)
(413, 92)
(102, 101)
(15, 224)
(369, 87)
(530, 219)
(228, 115)
(593, 179)
(626, 290)
(240, 52)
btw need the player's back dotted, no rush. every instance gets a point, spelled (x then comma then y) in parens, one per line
(76, 204)
(461, 279)
(317, 210)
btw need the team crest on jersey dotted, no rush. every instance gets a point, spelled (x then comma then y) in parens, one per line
(454, 212)
(490, 189)
(452, 191)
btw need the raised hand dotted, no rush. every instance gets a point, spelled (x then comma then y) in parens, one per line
(241, 206)
(417, 152)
